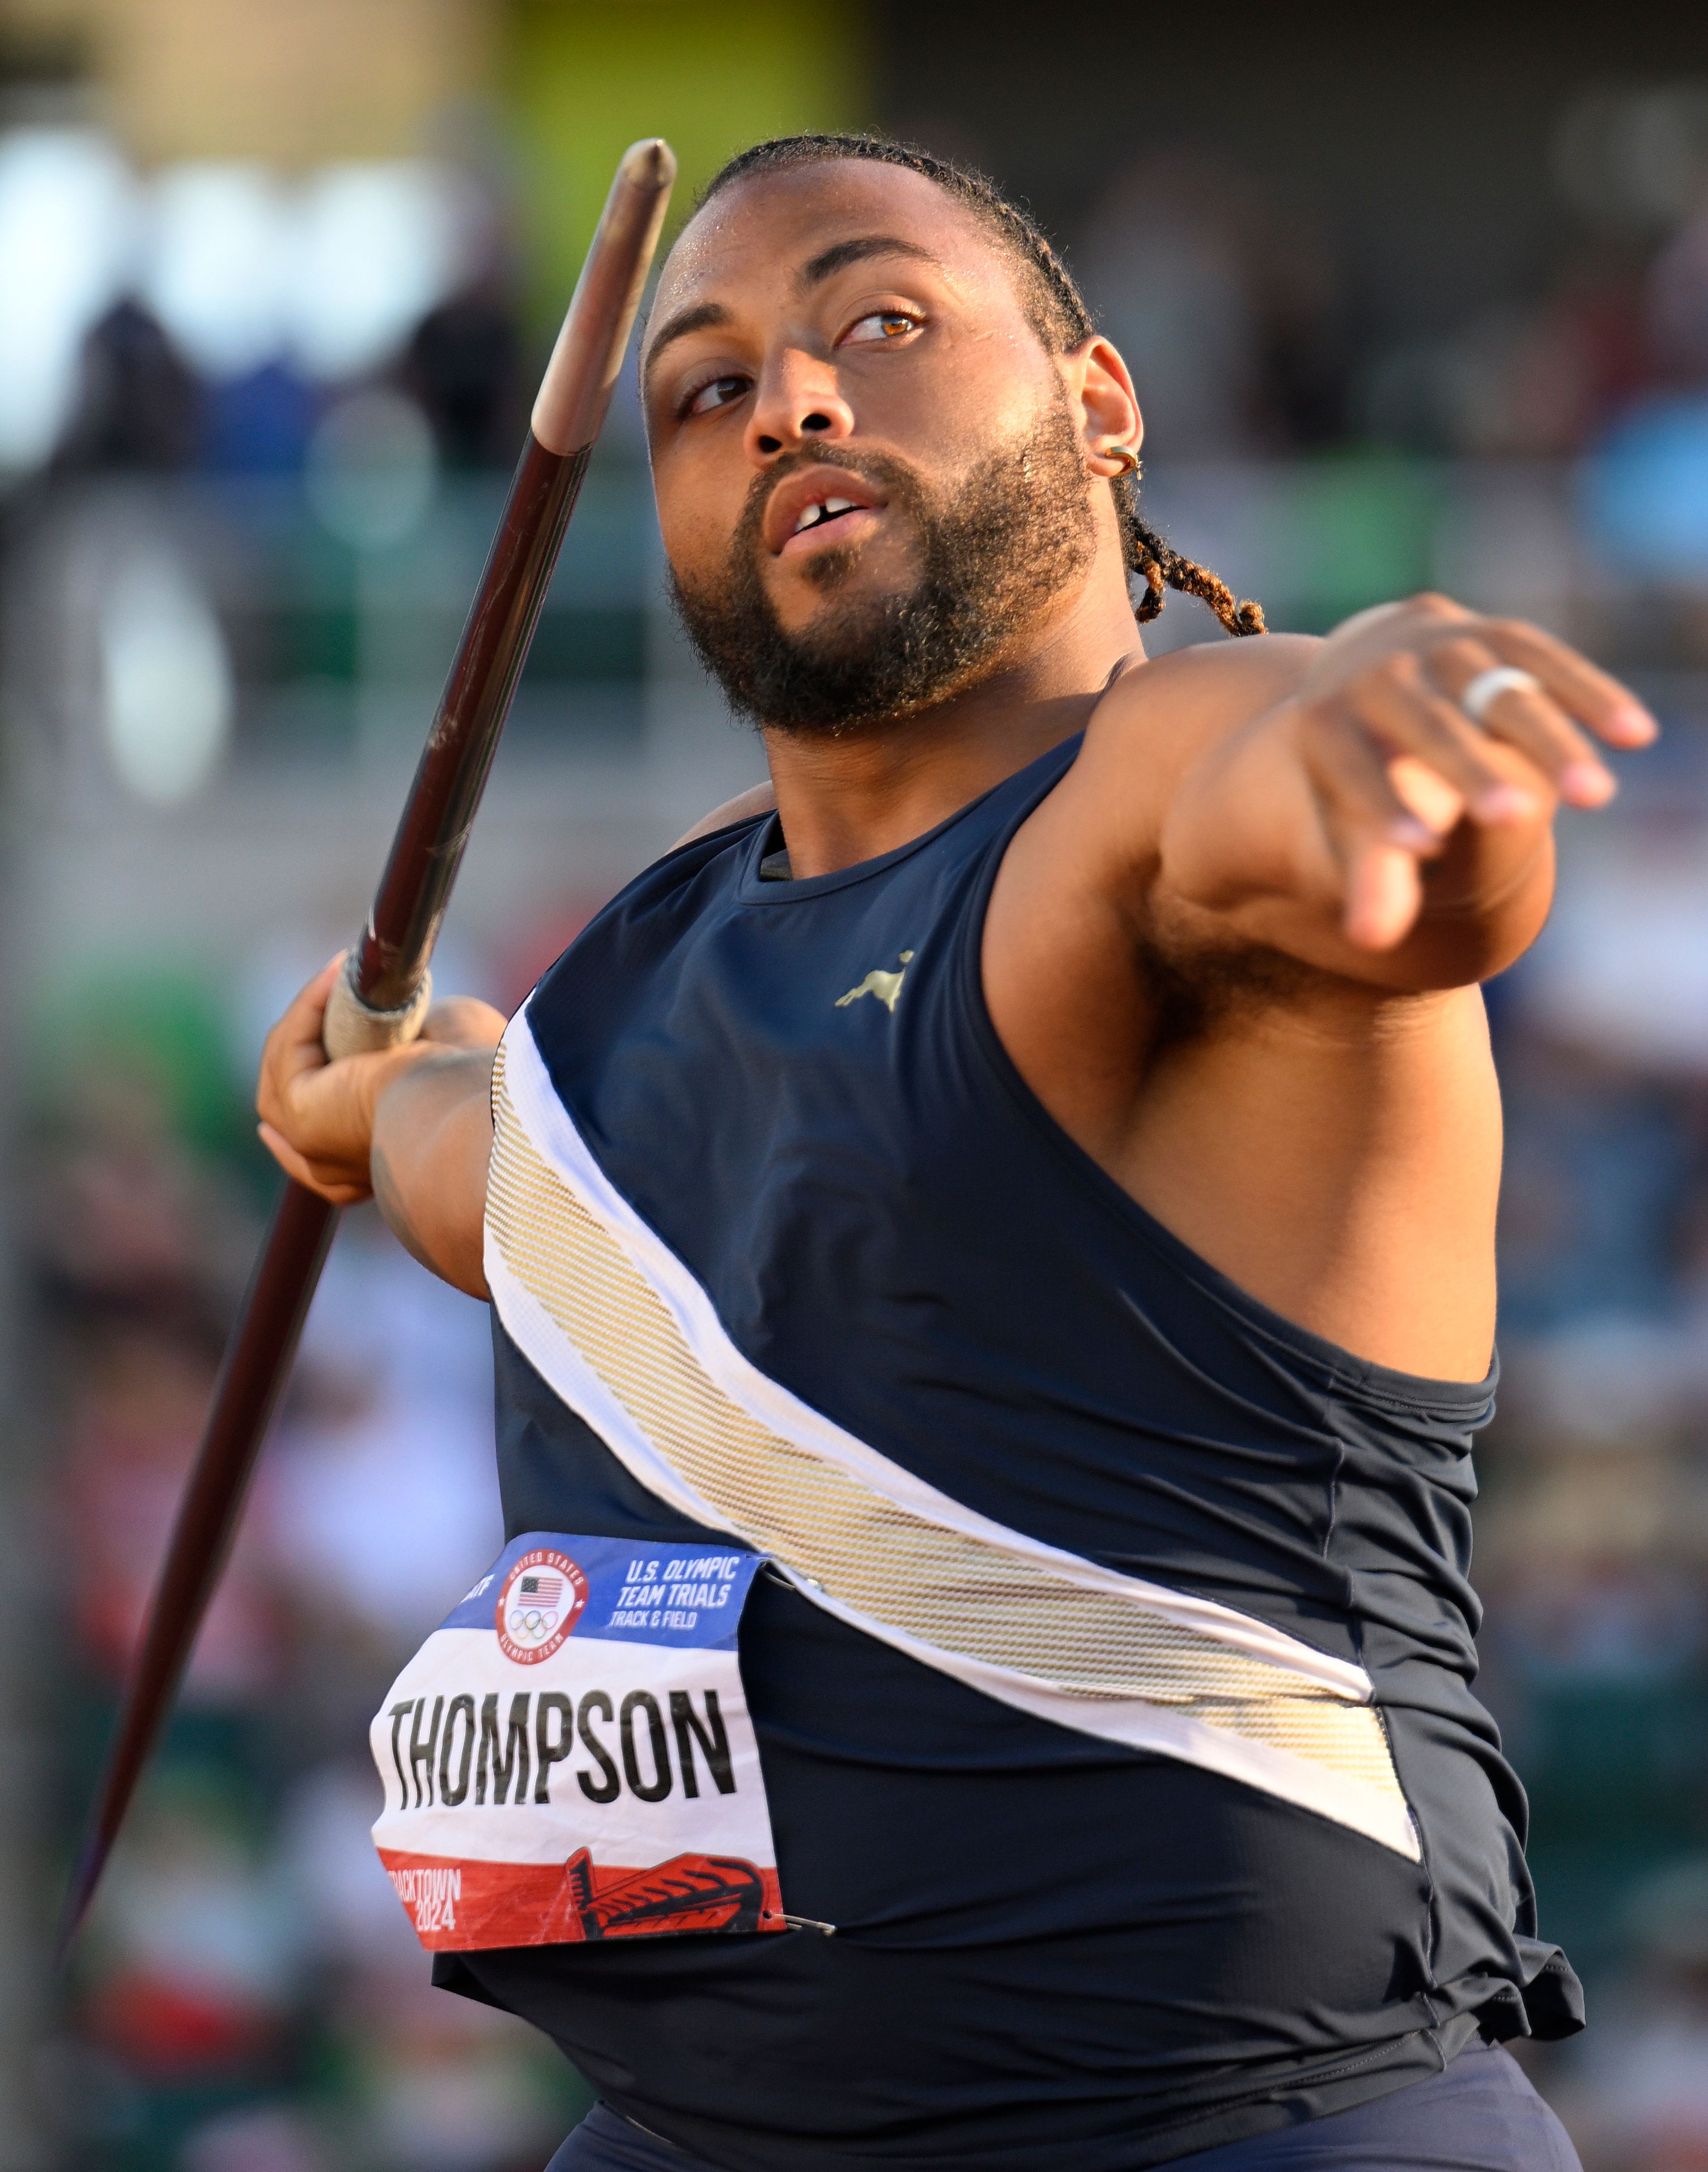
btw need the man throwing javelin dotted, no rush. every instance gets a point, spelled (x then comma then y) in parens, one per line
(1007, 1213)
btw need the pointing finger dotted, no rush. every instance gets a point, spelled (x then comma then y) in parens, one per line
(1354, 782)
(1383, 897)
(1404, 709)
(1375, 839)
(1612, 712)
(1527, 716)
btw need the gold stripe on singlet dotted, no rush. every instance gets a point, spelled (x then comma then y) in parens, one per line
(960, 1596)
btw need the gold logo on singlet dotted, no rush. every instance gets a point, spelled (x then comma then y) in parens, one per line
(886, 986)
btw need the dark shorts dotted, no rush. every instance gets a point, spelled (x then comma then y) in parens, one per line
(1480, 2115)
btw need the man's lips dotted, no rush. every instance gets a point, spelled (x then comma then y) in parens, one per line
(837, 527)
(798, 499)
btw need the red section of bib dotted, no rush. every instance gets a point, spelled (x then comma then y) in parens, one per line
(470, 1905)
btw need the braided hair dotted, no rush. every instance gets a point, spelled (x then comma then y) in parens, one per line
(1058, 313)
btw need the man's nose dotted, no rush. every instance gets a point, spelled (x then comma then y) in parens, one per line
(797, 400)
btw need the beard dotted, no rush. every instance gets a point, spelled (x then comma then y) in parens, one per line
(992, 556)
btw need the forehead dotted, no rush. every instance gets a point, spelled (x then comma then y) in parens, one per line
(752, 236)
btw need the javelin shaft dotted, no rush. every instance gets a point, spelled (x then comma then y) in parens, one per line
(415, 890)
(386, 979)
(391, 962)
(256, 1366)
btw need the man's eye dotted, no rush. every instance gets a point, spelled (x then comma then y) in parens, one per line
(881, 325)
(717, 394)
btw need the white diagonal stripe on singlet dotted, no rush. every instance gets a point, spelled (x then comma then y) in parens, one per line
(619, 1327)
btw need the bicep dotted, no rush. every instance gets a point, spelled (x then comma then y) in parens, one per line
(1071, 936)
(432, 1140)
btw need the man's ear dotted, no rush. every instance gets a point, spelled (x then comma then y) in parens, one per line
(1101, 387)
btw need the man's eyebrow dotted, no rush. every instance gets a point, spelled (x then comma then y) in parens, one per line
(841, 254)
(699, 318)
(703, 316)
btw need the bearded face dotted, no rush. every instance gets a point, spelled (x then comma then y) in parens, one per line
(991, 552)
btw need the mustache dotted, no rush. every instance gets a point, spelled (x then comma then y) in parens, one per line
(899, 481)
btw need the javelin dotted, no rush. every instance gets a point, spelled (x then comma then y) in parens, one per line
(382, 996)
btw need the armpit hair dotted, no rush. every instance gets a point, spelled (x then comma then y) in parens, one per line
(1200, 985)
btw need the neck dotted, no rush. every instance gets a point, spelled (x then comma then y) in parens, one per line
(844, 800)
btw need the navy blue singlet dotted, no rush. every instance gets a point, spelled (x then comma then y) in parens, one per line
(1051, 1947)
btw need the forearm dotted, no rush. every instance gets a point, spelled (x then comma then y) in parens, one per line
(432, 1138)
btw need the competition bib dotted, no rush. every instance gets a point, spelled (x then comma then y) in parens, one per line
(569, 1755)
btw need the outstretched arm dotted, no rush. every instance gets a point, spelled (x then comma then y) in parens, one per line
(1234, 952)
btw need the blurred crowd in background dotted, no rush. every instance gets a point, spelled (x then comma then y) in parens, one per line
(263, 367)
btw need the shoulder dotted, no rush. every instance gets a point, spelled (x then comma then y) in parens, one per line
(757, 799)
(1210, 687)
(1148, 730)
(657, 907)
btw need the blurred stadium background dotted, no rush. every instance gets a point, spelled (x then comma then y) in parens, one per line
(1419, 297)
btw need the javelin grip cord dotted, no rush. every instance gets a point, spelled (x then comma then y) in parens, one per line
(382, 996)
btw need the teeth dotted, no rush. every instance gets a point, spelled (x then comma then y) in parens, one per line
(816, 513)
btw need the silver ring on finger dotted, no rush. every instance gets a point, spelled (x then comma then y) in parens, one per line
(1478, 698)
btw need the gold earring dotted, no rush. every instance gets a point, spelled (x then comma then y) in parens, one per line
(1127, 457)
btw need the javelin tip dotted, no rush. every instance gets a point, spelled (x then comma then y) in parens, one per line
(584, 363)
(651, 164)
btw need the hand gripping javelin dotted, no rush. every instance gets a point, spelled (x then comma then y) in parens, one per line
(382, 996)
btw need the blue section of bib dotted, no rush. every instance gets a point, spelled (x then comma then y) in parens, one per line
(689, 1598)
